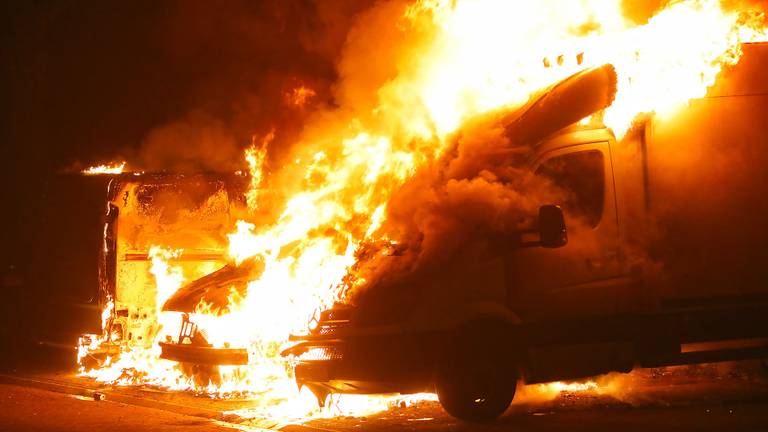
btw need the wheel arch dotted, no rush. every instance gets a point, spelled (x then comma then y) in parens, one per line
(482, 335)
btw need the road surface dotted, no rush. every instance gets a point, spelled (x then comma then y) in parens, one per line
(730, 397)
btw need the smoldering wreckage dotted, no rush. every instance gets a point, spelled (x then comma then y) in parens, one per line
(600, 221)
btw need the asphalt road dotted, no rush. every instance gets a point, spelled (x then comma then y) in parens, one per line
(731, 397)
(31, 409)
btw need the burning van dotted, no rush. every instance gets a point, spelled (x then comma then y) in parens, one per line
(475, 218)
(655, 255)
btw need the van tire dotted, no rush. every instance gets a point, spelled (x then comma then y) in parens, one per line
(477, 375)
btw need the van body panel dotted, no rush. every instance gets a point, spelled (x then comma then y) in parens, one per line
(707, 195)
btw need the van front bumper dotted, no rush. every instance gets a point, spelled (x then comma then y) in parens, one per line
(365, 365)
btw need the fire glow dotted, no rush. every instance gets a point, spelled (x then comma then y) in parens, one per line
(467, 58)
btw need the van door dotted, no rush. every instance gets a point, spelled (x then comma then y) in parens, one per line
(582, 277)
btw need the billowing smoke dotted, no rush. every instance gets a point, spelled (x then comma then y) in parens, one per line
(241, 70)
(197, 142)
(458, 212)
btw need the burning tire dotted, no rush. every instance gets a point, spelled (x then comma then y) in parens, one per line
(477, 377)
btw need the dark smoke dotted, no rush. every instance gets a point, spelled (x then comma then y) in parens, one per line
(456, 213)
(100, 79)
(247, 57)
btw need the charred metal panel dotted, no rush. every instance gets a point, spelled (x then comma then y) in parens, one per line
(190, 214)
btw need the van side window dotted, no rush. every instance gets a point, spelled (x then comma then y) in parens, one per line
(581, 178)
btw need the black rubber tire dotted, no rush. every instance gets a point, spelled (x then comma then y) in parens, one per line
(477, 377)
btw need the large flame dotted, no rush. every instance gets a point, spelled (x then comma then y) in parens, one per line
(469, 57)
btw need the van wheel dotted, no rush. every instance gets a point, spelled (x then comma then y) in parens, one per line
(477, 378)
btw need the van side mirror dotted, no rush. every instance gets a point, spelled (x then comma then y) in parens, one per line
(552, 230)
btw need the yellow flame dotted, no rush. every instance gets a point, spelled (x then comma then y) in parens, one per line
(141, 363)
(89, 342)
(561, 387)
(480, 55)
(110, 168)
(299, 96)
(255, 157)
(168, 279)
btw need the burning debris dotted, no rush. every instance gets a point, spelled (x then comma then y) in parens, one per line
(206, 277)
